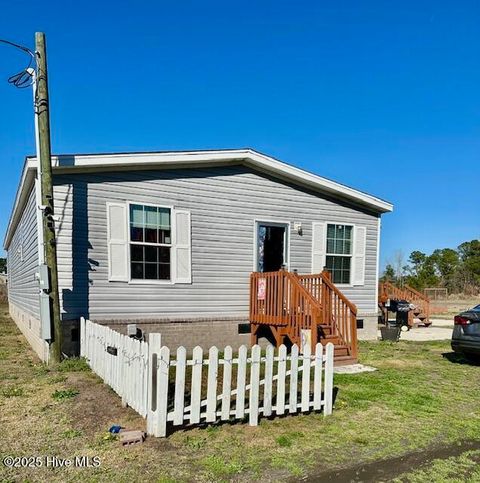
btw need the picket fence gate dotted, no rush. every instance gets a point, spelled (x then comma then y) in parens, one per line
(178, 390)
(122, 362)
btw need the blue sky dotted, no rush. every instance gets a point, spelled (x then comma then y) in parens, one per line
(382, 96)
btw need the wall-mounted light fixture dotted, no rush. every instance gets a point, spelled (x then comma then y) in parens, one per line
(297, 227)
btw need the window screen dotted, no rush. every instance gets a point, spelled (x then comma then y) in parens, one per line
(150, 242)
(339, 252)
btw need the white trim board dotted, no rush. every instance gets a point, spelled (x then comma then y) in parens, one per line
(286, 248)
(379, 228)
(353, 266)
(138, 281)
(168, 160)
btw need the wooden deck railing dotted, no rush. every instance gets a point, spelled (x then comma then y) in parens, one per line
(305, 311)
(296, 302)
(388, 290)
(338, 312)
(267, 298)
(278, 299)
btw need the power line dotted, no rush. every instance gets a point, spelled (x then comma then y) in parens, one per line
(24, 78)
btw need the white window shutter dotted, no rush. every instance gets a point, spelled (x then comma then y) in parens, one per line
(360, 243)
(319, 242)
(117, 242)
(183, 247)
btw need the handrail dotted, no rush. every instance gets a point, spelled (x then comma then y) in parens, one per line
(327, 281)
(417, 293)
(324, 277)
(305, 310)
(295, 279)
(341, 313)
(388, 290)
(338, 312)
(389, 287)
(289, 302)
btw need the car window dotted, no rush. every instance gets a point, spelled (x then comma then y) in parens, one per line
(477, 307)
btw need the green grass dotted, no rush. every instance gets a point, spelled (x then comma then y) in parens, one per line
(459, 469)
(62, 394)
(416, 400)
(72, 433)
(218, 468)
(12, 391)
(286, 440)
(73, 364)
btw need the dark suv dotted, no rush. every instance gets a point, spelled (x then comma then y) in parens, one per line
(466, 332)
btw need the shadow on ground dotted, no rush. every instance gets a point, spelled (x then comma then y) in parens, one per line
(457, 358)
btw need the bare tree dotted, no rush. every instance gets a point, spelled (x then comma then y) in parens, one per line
(399, 265)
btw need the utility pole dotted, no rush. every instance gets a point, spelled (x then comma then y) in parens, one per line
(42, 113)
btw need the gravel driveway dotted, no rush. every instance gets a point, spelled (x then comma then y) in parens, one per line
(441, 329)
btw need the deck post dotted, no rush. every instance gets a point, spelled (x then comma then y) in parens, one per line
(326, 273)
(253, 334)
(281, 296)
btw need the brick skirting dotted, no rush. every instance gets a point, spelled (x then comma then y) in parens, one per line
(204, 332)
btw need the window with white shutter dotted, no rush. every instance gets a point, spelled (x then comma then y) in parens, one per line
(148, 243)
(360, 243)
(318, 247)
(117, 238)
(338, 260)
(183, 250)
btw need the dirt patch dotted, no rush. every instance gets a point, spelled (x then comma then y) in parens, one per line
(91, 397)
(90, 420)
(388, 469)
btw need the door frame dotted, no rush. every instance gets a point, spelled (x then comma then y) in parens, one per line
(286, 242)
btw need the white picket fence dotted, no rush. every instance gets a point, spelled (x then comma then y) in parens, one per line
(126, 372)
(179, 391)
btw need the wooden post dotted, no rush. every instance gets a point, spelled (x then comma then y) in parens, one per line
(42, 109)
(326, 273)
(281, 297)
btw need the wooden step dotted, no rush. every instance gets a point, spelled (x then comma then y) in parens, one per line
(324, 329)
(341, 350)
(330, 336)
(344, 360)
(334, 339)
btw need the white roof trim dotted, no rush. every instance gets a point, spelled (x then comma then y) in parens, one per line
(249, 157)
(27, 181)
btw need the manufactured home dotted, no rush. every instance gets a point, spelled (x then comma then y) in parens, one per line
(205, 247)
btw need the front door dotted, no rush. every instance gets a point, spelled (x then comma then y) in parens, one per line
(272, 245)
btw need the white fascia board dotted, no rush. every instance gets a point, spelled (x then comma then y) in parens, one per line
(147, 159)
(249, 157)
(27, 180)
(317, 182)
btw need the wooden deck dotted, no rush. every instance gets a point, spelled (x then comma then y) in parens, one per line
(284, 305)
(388, 291)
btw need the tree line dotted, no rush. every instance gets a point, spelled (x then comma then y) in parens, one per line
(457, 270)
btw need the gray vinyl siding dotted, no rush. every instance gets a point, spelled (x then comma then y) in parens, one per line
(22, 261)
(224, 202)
